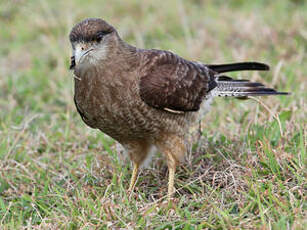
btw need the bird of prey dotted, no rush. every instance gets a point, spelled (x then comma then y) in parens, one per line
(146, 97)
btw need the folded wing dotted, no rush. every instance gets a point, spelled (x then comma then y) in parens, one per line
(174, 84)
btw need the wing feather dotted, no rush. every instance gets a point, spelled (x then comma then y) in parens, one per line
(172, 83)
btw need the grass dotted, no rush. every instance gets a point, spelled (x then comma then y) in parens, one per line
(246, 171)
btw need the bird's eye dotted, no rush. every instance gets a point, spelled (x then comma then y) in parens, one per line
(100, 35)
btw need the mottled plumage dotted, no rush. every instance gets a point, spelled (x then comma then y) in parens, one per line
(144, 98)
(171, 82)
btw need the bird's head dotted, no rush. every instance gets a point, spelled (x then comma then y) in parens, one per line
(91, 39)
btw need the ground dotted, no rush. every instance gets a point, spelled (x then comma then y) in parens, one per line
(247, 169)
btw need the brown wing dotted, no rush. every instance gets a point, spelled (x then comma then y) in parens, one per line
(170, 82)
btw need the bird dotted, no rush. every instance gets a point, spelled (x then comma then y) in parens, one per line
(145, 98)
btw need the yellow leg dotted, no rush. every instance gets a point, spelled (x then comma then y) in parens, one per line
(134, 176)
(174, 148)
(171, 176)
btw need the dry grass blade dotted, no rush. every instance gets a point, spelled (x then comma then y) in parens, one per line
(270, 111)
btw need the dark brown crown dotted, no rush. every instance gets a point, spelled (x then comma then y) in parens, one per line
(90, 29)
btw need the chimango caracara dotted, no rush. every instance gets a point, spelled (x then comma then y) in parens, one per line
(146, 97)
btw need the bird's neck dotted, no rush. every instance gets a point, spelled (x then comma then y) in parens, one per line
(123, 56)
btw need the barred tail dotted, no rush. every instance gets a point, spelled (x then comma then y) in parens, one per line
(228, 87)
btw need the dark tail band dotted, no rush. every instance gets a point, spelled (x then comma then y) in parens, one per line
(240, 66)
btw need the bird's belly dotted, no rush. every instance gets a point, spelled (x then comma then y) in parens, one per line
(119, 121)
(117, 112)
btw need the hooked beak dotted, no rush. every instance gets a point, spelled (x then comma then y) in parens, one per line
(84, 53)
(79, 53)
(77, 58)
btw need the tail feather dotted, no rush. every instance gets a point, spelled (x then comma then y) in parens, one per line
(239, 66)
(228, 87)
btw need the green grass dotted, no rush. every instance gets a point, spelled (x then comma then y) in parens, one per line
(242, 173)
